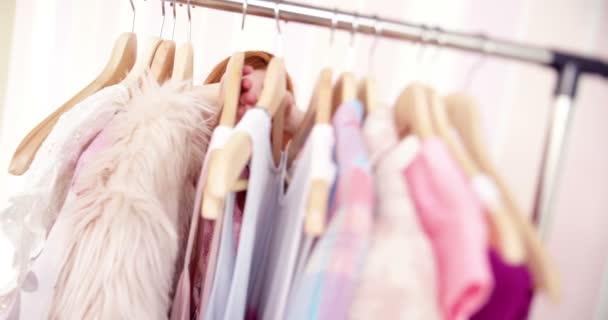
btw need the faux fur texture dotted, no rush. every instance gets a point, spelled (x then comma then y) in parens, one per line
(129, 225)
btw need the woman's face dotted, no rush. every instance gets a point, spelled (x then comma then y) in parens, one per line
(252, 83)
(251, 88)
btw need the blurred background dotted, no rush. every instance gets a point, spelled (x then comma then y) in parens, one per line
(50, 49)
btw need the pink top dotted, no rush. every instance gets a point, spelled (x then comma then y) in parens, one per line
(453, 219)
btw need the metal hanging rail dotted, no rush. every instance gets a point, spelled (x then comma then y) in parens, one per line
(568, 66)
(395, 29)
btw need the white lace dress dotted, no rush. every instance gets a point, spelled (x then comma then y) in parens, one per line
(33, 210)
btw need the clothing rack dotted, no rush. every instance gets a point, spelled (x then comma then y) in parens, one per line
(569, 67)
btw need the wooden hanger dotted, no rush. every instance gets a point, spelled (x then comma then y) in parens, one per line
(234, 156)
(162, 64)
(367, 94)
(318, 112)
(183, 66)
(412, 114)
(271, 99)
(231, 91)
(345, 90)
(464, 114)
(143, 62)
(121, 61)
(319, 102)
(504, 235)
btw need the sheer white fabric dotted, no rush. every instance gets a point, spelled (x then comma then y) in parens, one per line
(32, 211)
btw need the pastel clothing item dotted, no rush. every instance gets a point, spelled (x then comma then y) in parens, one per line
(314, 162)
(32, 210)
(245, 280)
(215, 307)
(399, 277)
(128, 223)
(41, 280)
(36, 294)
(186, 302)
(261, 208)
(213, 230)
(453, 220)
(326, 289)
(216, 229)
(512, 293)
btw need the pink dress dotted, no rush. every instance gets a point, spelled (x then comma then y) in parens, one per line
(453, 219)
(399, 277)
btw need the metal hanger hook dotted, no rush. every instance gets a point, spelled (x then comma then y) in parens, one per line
(174, 20)
(133, 22)
(424, 38)
(162, 25)
(277, 15)
(189, 23)
(334, 25)
(244, 15)
(279, 36)
(374, 45)
(354, 29)
(486, 48)
(440, 44)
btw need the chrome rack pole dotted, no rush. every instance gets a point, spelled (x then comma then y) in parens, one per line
(401, 30)
(555, 145)
(366, 24)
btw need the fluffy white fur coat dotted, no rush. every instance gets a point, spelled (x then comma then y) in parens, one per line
(129, 225)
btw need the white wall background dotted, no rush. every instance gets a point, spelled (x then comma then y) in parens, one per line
(58, 46)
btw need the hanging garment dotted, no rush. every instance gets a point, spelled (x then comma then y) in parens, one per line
(314, 162)
(215, 307)
(235, 215)
(399, 277)
(128, 223)
(325, 290)
(198, 247)
(453, 219)
(32, 212)
(263, 191)
(41, 281)
(512, 293)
